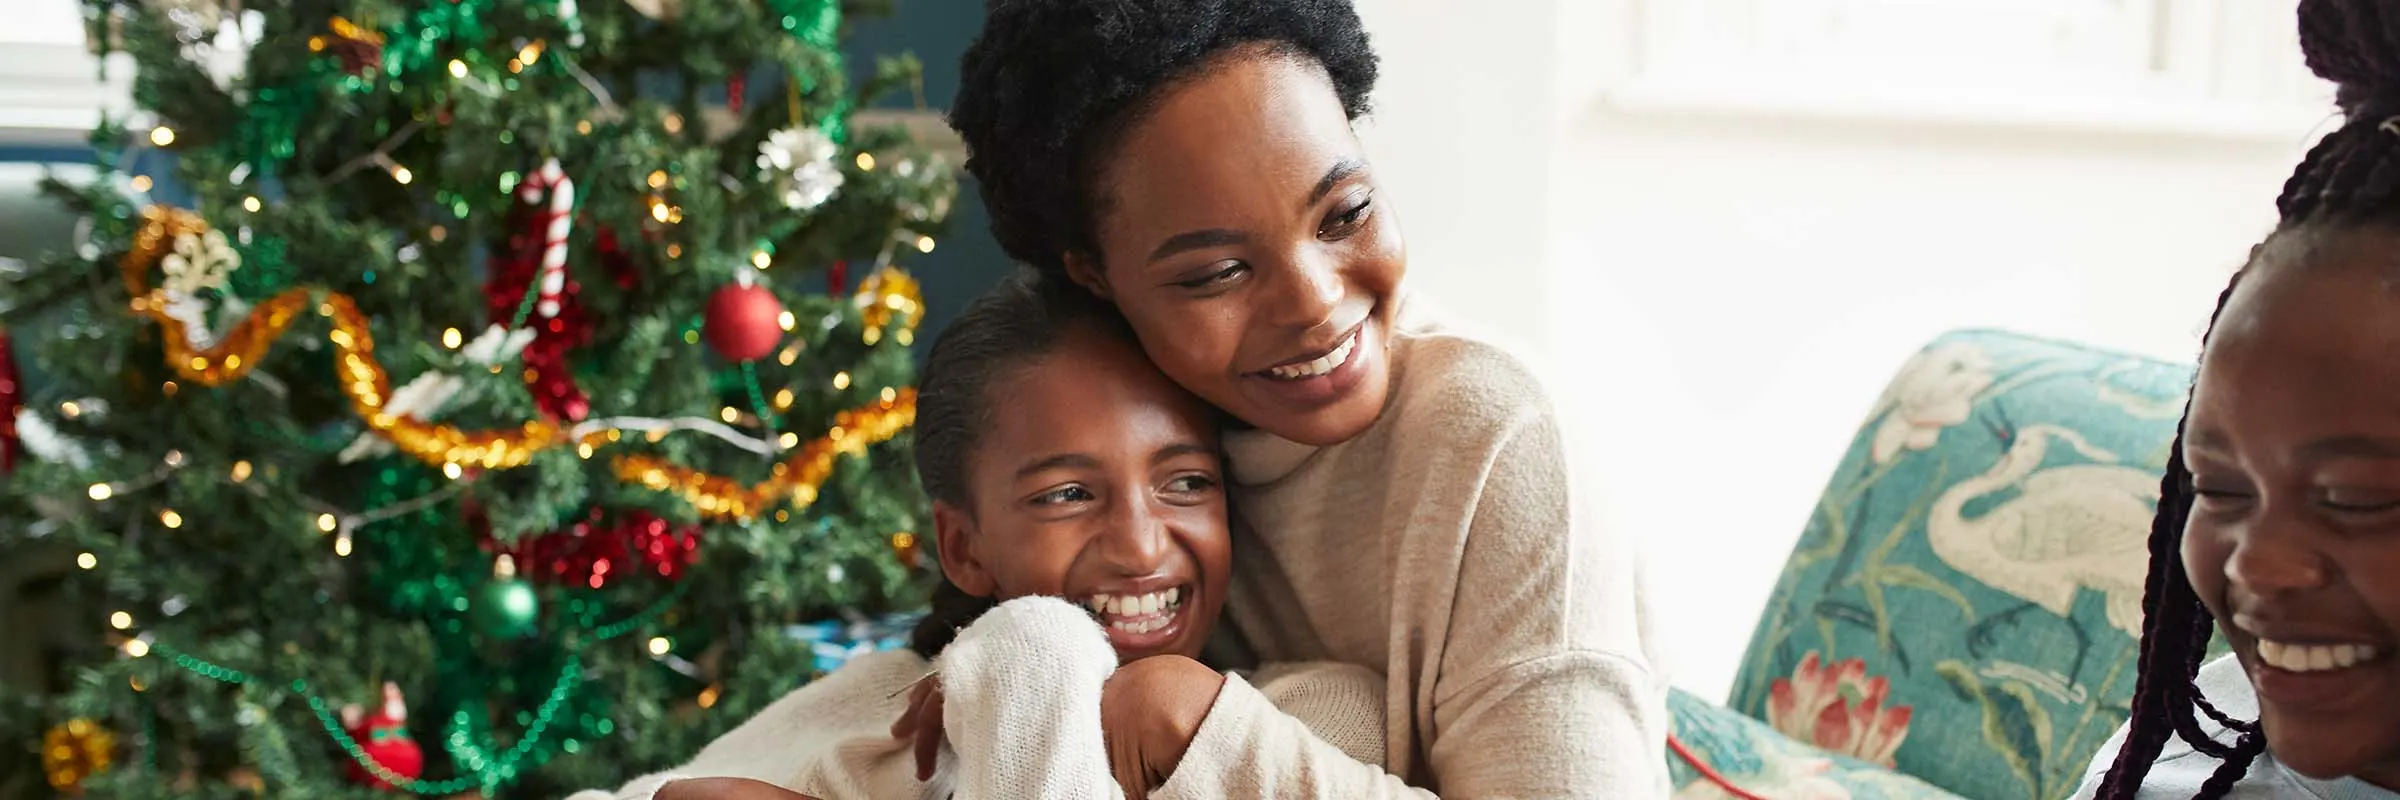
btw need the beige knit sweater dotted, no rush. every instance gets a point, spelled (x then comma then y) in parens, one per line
(1445, 549)
(1021, 715)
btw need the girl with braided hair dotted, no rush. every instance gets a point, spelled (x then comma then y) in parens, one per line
(2278, 521)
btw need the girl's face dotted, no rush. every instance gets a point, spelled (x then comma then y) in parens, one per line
(2294, 542)
(1097, 481)
(1240, 232)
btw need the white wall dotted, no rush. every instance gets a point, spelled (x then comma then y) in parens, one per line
(1722, 283)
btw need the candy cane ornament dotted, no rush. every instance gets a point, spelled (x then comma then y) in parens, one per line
(559, 218)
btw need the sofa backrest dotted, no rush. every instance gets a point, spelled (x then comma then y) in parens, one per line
(1965, 602)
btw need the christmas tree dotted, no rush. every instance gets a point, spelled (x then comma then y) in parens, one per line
(464, 396)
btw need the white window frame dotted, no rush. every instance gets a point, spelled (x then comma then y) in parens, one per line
(2198, 68)
(51, 89)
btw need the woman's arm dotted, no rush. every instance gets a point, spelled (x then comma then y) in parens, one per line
(1543, 686)
(1273, 743)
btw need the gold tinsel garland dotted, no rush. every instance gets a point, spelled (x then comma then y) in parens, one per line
(368, 386)
(75, 751)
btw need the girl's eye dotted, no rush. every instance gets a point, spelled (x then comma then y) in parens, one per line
(1221, 273)
(1191, 484)
(1348, 220)
(1063, 495)
(2219, 497)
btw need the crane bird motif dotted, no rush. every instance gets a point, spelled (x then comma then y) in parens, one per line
(2069, 527)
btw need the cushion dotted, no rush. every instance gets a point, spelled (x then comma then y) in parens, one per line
(1965, 601)
(1762, 762)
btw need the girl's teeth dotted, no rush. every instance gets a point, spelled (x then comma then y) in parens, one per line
(1137, 613)
(2314, 657)
(1323, 364)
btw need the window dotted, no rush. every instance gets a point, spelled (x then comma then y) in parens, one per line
(2228, 67)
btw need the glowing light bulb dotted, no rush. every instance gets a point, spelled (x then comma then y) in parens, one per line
(170, 519)
(326, 523)
(530, 53)
(452, 470)
(888, 394)
(841, 380)
(137, 648)
(70, 410)
(790, 440)
(341, 546)
(924, 243)
(251, 204)
(402, 175)
(101, 491)
(787, 320)
(162, 136)
(866, 161)
(120, 620)
(141, 183)
(658, 211)
(241, 471)
(458, 69)
(451, 338)
(783, 399)
(659, 645)
(728, 414)
(761, 260)
(87, 561)
(658, 179)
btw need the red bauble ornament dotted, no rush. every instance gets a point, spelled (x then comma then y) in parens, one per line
(743, 322)
(383, 737)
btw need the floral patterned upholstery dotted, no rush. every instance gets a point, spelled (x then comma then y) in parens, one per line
(1965, 602)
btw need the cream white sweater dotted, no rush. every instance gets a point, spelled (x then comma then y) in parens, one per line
(1021, 714)
(2181, 770)
(1445, 548)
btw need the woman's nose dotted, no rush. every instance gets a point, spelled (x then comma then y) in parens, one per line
(1310, 290)
(2275, 557)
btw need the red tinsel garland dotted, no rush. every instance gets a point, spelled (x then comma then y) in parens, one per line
(9, 403)
(597, 549)
(512, 272)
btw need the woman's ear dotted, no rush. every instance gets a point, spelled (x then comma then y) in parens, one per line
(954, 533)
(1085, 271)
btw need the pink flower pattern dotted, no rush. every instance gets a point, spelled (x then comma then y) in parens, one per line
(1839, 709)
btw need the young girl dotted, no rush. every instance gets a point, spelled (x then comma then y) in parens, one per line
(2279, 519)
(1193, 163)
(1099, 484)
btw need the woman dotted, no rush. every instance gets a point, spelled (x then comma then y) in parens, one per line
(1193, 163)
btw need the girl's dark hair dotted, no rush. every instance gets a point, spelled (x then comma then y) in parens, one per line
(1049, 88)
(1004, 331)
(2350, 179)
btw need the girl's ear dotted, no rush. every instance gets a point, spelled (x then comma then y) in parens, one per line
(954, 533)
(1086, 272)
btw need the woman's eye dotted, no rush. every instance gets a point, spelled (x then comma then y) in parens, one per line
(1347, 221)
(1063, 495)
(2355, 502)
(1223, 273)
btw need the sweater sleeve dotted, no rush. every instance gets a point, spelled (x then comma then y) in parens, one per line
(827, 738)
(1314, 732)
(1021, 703)
(1544, 684)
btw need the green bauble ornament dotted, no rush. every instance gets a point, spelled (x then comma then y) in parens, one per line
(505, 608)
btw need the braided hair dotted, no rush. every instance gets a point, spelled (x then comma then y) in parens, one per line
(2349, 179)
(1050, 87)
(999, 335)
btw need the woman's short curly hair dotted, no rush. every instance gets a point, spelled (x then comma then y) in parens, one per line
(1050, 86)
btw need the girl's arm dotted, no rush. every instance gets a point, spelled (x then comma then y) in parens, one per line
(1021, 703)
(1312, 731)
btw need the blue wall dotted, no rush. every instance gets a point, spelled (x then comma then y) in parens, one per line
(966, 261)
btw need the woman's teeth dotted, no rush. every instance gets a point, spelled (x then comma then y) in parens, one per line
(1323, 364)
(2314, 657)
(1140, 613)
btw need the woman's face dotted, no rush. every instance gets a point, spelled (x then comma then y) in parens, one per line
(1097, 481)
(2294, 542)
(1241, 233)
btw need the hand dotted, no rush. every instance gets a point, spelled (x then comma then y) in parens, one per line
(923, 722)
(725, 789)
(1149, 712)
